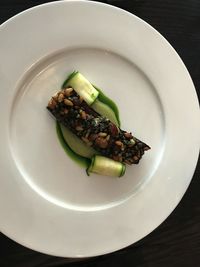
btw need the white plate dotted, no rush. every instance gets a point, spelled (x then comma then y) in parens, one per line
(47, 202)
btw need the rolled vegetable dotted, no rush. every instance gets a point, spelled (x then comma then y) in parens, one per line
(82, 87)
(105, 166)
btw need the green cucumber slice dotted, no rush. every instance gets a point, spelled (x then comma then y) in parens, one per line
(82, 161)
(108, 102)
(76, 144)
(105, 111)
(71, 75)
(105, 166)
(82, 87)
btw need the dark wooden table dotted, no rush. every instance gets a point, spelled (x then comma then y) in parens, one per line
(177, 241)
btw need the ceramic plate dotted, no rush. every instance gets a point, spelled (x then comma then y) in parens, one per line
(47, 202)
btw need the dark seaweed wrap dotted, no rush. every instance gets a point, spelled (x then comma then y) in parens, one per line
(99, 132)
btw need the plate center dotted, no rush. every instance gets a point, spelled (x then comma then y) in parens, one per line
(36, 148)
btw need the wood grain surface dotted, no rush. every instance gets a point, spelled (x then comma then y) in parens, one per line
(176, 242)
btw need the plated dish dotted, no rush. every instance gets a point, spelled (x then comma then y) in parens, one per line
(89, 128)
(47, 202)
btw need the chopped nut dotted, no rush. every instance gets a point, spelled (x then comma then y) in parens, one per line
(85, 139)
(101, 142)
(68, 91)
(60, 97)
(65, 111)
(128, 135)
(52, 103)
(83, 115)
(113, 129)
(79, 128)
(117, 158)
(108, 137)
(122, 147)
(55, 96)
(102, 134)
(68, 102)
(135, 158)
(127, 162)
(139, 154)
(118, 143)
(87, 134)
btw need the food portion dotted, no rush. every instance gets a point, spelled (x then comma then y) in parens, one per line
(95, 130)
(82, 86)
(91, 128)
(105, 166)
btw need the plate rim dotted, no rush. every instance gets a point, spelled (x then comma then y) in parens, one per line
(180, 61)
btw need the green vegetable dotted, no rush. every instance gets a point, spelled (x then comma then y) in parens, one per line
(105, 111)
(64, 85)
(105, 166)
(76, 144)
(109, 103)
(82, 87)
(82, 161)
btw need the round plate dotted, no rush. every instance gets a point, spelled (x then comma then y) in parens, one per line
(47, 202)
